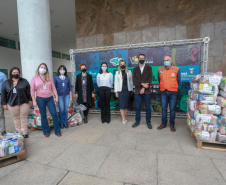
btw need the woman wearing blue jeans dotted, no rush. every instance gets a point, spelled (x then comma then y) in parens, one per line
(63, 87)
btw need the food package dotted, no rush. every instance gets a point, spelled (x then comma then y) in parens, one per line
(75, 120)
(222, 130)
(38, 122)
(206, 118)
(222, 120)
(192, 104)
(206, 136)
(221, 101)
(221, 138)
(31, 110)
(207, 99)
(193, 95)
(223, 93)
(32, 120)
(211, 78)
(210, 109)
(207, 127)
(80, 108)
(196, 78)
(194, 87)
(223, 111)
(208, 89)
(223, 84)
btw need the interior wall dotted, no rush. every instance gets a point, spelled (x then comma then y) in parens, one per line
(116, 22)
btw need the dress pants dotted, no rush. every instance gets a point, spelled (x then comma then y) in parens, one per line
(105, 97)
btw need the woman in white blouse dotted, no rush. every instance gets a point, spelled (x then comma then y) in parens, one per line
(104, 83)
(123, 88)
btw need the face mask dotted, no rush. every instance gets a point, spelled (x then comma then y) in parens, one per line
(141, 61)
(123, 67)
(15, 76)
(42, 70)
(104, 68)
(62, 72)
(166, 63)
(83, 70)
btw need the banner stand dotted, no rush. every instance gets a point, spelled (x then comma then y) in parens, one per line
(204, 60)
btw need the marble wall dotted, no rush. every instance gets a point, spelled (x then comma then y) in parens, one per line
(115, 22)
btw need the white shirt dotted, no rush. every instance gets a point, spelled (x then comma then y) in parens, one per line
(105, 79)
(142, 68)
(62, 77)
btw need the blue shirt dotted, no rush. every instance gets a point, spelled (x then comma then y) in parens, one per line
(2, 79)
(63, 87)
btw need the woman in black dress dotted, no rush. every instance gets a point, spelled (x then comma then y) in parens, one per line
(84, 90)
(123, 88)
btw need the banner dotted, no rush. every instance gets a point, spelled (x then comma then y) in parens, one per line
(186, 57)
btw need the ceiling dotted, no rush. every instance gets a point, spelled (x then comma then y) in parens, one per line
(63, 27)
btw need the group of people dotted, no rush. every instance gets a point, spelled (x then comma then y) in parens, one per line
(17, 95)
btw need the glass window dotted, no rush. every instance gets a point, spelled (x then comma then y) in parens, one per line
(56, 54)
(66, 57)
(7, 43)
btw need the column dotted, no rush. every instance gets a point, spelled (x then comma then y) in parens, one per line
(35, 35)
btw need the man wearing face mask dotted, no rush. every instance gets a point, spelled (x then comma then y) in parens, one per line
(142, 78)
(169, 77)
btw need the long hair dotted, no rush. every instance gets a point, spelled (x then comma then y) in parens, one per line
(61, 66)
(101, 71)
(47, 76)
(119, 67)
(10, 80)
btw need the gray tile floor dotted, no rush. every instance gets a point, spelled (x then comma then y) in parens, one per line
(115, 154)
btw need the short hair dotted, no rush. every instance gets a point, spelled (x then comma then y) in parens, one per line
(142, 55)
(82, 64)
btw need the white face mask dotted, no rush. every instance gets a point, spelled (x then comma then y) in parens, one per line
(62, 71)
(42, 70)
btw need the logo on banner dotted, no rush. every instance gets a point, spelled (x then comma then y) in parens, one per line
(135, 60)
(191, 71)
(115, 61)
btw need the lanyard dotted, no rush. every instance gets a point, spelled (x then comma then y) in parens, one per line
(42, 79)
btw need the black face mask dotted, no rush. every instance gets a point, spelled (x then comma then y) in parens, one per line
(83, 70)
(123, 67)
(141, 61)
(15, 76)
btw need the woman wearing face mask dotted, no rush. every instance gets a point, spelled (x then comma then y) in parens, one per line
(42, 84)
(84, 90)
(63, 87)
(123, 88)
(104, 83)
(16, 98)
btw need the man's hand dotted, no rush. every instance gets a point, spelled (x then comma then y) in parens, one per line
(116, 94)
(142, 91)
(34, 103)
(93, 95)
(145, 85)
(30, 103)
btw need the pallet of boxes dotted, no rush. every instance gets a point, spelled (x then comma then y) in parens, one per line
(12, 148)
(206, 116)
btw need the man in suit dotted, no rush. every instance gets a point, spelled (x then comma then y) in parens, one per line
(142, 78)
(169, 77)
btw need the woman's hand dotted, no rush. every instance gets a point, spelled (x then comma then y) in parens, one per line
(70, 99)
(93, 95)
(30, 103)
(56, 100)
(76, 95)
(34, 103)
(116, 94)
(5, 107)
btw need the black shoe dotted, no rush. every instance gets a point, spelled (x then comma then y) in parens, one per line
(65, 125)
(135, 125)
(150, 126)
(85, 119)
(25, 136)
(108, 121)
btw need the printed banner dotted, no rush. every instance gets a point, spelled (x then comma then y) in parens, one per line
(186, 57)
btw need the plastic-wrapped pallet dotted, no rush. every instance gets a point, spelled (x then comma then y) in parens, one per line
(206, 136)
(223, 84)
(221, 101)
(210, 109)
(221, 138)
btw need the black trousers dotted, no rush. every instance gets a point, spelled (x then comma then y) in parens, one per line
(105, 97)
(87, 110)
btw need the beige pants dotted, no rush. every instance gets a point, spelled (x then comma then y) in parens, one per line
(20, 113)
